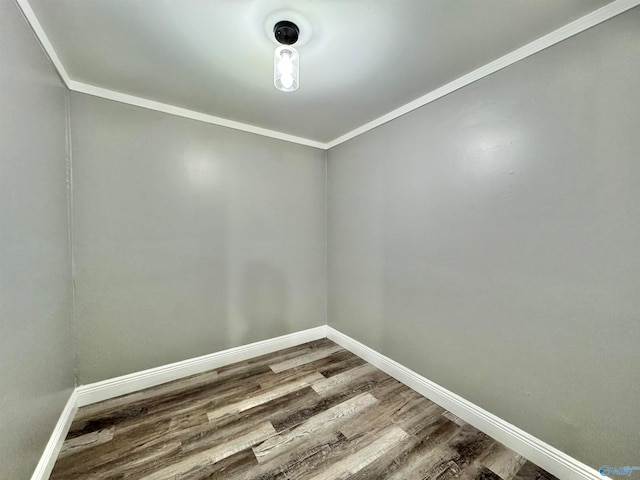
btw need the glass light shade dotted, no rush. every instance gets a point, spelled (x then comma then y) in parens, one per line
(286, 68)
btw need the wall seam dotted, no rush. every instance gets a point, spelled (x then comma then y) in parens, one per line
(326, 237)
(70, 213)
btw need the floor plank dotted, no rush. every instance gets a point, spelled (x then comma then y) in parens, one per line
(200, 461)
(503, 462)
(304, 359)
(88, 440)
(349, 466)
(328, 419)
(263, 397)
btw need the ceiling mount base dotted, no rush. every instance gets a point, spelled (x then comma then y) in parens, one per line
(286, 32)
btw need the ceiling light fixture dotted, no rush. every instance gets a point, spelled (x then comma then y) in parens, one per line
(286, 64)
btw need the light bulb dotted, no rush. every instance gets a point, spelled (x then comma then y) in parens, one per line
(286, 80)
(286, 68)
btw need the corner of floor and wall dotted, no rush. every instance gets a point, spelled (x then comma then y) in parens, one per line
(488, 242)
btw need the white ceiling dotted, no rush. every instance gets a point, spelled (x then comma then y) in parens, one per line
(359, 59)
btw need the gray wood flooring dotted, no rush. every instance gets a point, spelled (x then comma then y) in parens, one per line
(315, 411)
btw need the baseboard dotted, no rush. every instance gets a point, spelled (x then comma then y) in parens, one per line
(542, 454)
(50, 454)
(114, 387)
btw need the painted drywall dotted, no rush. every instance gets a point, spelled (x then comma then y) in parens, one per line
(36, 336)
(189, 238)
(490, 241)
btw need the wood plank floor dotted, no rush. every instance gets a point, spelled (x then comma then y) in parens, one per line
(315, 411)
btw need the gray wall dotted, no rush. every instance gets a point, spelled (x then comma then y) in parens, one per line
(491, 242)
(189, 238)
(36, 349)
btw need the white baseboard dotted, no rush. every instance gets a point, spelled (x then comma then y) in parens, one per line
(542, 454)
(51, 451)
(114, 387)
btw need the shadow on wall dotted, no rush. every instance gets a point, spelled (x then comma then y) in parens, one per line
(263, 303)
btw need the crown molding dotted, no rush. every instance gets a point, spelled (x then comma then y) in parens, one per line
(577, 26)
(186, 113)
(31, 18)
(108, 94)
